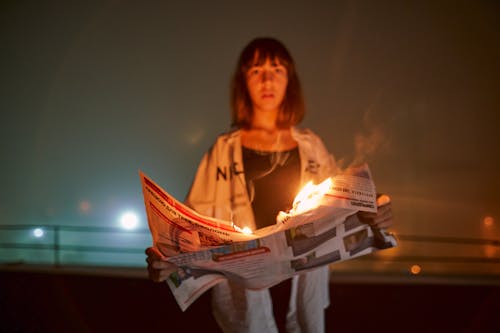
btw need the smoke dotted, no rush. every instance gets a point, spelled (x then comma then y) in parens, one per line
(369, 141)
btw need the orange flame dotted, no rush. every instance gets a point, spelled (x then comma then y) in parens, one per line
(309, 197)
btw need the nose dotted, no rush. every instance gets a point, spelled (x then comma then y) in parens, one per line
(267, 76)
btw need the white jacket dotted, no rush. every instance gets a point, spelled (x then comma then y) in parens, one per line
(219, 190)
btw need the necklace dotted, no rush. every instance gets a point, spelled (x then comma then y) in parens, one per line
(265, 140)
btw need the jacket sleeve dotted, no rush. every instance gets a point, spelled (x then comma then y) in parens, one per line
(201, 195)
(319, 162)
(326, 160)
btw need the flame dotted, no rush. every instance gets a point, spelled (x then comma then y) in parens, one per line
(244, 230)
(309, 197)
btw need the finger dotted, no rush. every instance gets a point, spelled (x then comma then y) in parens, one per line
(384, 222)
(384, 210)
(153, 274)
(159, 264)
(366, 217)
(165, 274)
(383, 213)
(160, 275)
(382, 200)
(153, 252)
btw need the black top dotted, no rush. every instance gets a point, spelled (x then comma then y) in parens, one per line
(273, 180)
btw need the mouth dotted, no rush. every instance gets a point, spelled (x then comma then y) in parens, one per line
(267, 95)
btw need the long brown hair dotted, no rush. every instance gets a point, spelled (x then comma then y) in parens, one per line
(292, 109)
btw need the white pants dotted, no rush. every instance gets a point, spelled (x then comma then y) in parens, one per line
(241, 310)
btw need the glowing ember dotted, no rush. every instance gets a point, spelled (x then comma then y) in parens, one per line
(310, 196)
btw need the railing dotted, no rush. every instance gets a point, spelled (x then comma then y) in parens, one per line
(95, 246)
(72, 245)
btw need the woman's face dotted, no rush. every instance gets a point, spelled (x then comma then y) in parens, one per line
(266, 84)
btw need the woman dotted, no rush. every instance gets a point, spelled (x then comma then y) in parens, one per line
(252, 173)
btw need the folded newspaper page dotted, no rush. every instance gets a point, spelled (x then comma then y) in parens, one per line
(321, 228)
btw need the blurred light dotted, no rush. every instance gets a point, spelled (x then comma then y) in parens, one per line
(84, 207)
(488, 221)
(50, 212)
(38, 232)
(490, 251)
(415, 269)
(195, 137)
(129, 220)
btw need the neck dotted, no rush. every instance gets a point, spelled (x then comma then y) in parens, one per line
(268, 139)
(264, 120)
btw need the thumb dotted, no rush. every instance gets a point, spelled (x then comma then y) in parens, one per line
(382, 200)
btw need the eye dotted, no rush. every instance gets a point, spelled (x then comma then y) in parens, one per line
(254, 71)
(280, 70)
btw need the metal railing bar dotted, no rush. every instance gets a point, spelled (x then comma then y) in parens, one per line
(441, 239)
(71, 248)
(49, 246)
(72, 228)
(100, 249)
(436, 259)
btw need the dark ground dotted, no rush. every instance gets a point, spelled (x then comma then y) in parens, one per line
(46, 302)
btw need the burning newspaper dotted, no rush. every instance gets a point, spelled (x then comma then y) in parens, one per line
(321, 228)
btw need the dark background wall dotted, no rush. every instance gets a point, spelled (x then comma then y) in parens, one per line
(92, 91)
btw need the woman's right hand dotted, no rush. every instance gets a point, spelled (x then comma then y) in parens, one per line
(159, 270)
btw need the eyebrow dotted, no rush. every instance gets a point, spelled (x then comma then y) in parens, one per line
(273, 63)
(259, 60)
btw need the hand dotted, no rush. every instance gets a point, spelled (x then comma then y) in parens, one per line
(158, 268)
(382, 219)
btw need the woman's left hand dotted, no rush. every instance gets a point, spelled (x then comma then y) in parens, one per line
(382, 219)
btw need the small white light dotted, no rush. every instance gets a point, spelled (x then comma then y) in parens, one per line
(246, 230)
(38, 232)
(129, 220)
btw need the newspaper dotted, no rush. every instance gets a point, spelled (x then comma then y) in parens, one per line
(208, 250)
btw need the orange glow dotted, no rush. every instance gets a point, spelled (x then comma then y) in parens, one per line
(488, 221)
(415, 269)
(309, 197)
(490, 251)
(383, 200)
